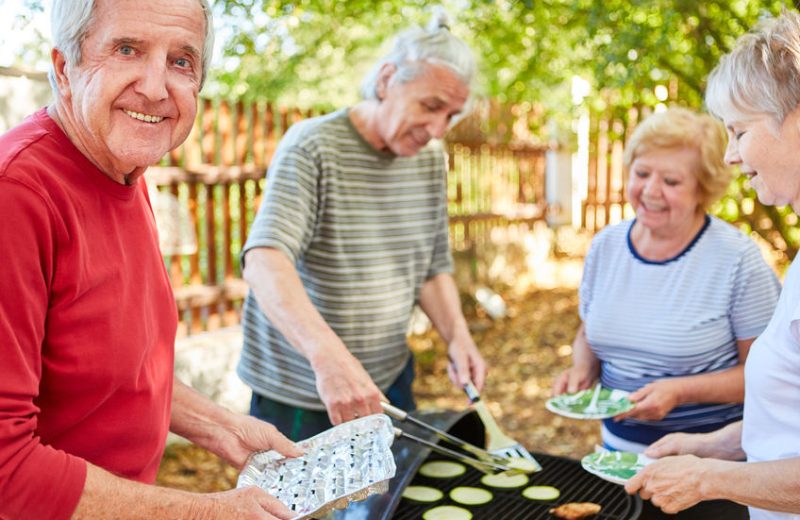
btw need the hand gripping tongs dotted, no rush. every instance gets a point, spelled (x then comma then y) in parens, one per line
(485, 461)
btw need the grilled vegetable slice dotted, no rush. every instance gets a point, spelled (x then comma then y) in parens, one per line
(470, 496)
(576, 510)
(447, 513)
(545, 493)
(422, 494)
(442, 469)
(505, 480)
(522, 464)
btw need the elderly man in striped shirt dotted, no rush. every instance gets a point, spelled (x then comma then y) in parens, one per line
(351, 234)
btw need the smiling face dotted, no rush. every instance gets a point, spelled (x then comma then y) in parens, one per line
(767, 153)
(412, 113)
(664, 191)
(133, 96)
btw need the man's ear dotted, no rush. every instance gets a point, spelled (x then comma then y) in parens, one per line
(384, 75)
(60, 72)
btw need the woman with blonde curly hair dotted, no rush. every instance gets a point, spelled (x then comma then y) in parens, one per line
(672, 300)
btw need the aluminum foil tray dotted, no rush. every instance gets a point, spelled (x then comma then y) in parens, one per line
(346, 463)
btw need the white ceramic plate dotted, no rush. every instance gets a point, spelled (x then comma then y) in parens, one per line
(615, 466)
(610, 403)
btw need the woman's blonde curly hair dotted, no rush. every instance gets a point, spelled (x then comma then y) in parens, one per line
(683, 128)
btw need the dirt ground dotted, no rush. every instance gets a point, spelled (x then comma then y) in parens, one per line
(525, 351)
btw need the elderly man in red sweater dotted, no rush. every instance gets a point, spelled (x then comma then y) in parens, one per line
(87, 317)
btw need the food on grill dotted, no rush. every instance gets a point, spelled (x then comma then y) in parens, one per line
(447, 513)
(522, 464)
(422, 494)
(442, 469)
(544, 493)
(470, 496)
(576, 510)
(505, 480)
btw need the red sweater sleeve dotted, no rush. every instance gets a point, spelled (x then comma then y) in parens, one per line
(36, 480)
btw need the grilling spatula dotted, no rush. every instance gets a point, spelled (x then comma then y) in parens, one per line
(499, 443)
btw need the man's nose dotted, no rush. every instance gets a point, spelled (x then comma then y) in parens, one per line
(153, 81)
(438, 126)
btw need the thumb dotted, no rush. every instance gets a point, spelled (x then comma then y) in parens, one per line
(283, 445)
(639, 395)
(574, 382)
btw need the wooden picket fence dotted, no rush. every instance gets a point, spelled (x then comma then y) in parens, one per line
(216, 177)
(606, 198)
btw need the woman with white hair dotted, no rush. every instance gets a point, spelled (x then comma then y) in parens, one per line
(755, 90)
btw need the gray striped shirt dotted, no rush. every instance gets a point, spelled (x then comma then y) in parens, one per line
(652, 320)
(364, 229)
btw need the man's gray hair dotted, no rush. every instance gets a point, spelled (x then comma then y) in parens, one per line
(415, 47)
(70, 21)
(762, 73)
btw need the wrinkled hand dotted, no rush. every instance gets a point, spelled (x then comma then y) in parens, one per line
(466, 363)
(674, 483)
(574, 379)
(248, 503)
(679, 444)
(653, 401)
(346, 389)
(724, 444)
(248, 434)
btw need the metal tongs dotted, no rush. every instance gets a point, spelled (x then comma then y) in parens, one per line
(485, 461)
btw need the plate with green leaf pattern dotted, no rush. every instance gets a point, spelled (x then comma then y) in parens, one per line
(610, 402)
(615, 466)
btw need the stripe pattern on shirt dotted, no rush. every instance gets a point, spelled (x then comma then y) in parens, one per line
(648, 320)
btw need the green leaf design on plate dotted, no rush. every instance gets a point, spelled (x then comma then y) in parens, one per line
(606, 405)
(619, 464)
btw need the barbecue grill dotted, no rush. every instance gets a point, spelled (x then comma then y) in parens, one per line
(575, 484)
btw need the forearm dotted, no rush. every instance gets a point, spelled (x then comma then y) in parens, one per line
(582, 354)
(439, 299)
(773, 485)
(106, 496)
(200, 420)
(724, 386)
(283, 299)
(725, 443)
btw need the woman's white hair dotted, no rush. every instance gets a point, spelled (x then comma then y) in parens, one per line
(762, 73)
(70, 21)
(413, 48)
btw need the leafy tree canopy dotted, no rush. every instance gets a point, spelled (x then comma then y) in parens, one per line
(314, 52)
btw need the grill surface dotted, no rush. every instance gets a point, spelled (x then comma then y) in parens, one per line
(574, 483)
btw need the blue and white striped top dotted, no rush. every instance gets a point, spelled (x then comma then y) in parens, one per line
(653, 320)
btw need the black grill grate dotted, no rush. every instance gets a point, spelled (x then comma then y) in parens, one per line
(565, 474)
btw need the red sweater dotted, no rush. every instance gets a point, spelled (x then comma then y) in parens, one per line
(87, 325)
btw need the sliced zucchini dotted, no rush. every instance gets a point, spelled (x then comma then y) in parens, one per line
(442, 469)
(522, 464)
(544, 493)
(447, 513)
(422, 494)
(505, 480)
(470, 496)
